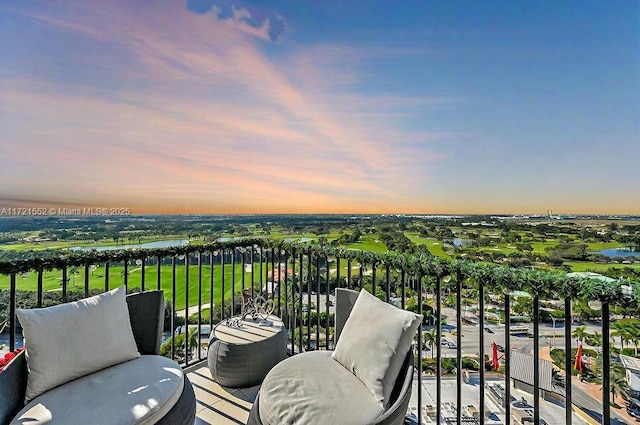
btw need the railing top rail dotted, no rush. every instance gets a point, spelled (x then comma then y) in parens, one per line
(496, 278)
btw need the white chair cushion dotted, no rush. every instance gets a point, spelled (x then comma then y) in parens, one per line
(67, 341)
(312, 388)
(374, 343)
(139, 391)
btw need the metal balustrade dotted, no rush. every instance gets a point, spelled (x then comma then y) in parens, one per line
(307, 270)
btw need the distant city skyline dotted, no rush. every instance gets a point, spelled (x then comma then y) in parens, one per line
(225, 107)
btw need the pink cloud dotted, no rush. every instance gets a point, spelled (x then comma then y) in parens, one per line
(200, 117)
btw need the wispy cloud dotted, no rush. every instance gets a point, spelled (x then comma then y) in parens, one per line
(185, 110)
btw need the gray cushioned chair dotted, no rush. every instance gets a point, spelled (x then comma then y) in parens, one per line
(315, 389)
(146, 313)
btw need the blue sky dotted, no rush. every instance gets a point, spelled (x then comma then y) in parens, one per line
(205, 106)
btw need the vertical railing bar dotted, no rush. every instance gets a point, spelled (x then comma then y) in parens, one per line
(261, 273)
(459, 349)
(309, 301)
(361, 278)
(481, 346)
(536, 359)
(326, 303)
(279, 280)
(125, 274)
(64, 284)
(438, 349)
(273, 276)
(243, 263)
(349, 273)
(200, 303)
(402, 289)
(106, 277)
(173, 306)
(287, 319)
(388, 279)
(291, 320)
(606, 365)
(186, 309)
(568, 364)
(40, 289)
(338, 285)
(143, 270)
(222, 291)
(233, 281)
(420, 313)
(317, 302)
(507, 362)
(86, 280)
(373, 278)
(12, 312)
(301, 324)
(253, 270)
(159, 277)
(211, 290)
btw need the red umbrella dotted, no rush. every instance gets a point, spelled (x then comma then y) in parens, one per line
(495, 362)
(578, 364)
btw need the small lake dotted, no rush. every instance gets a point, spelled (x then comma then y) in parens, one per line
(619, 252)
(157, 244)
(459, 242)
(297, 239)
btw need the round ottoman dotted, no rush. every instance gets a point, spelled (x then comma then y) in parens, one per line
(241, 356)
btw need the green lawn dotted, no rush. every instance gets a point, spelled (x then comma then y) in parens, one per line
(435, 247)
(369, 242)
(581, 266)
(52, 281)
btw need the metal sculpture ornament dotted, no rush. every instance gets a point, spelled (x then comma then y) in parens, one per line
(256, 307)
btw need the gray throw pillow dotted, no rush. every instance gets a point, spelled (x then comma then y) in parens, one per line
(374, 342)
(68, 341)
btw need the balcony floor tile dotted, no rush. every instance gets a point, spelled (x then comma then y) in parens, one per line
(220, 405)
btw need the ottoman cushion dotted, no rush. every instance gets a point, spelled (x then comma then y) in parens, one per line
(302, 390)
(140, 391)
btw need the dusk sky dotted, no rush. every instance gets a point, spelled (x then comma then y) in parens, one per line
(201, 106)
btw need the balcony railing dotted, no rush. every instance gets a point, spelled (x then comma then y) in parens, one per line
(205, 283)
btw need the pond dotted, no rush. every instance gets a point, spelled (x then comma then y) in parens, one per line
(459, 242)
(156, 244)
(619, 252)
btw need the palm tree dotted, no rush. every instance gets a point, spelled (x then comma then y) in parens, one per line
(430, 338)
(595, 339)
(194, 340)
(634, 337)
(580, 334)
(618, 384)
(621, 330)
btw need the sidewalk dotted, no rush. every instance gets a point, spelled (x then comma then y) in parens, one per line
(594, 390)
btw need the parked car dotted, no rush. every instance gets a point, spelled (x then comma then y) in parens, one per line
(488, 330)
(452, 345)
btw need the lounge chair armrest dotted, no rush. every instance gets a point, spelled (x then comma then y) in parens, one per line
(13, 385)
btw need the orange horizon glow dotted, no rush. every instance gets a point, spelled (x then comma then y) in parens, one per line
(243, 109)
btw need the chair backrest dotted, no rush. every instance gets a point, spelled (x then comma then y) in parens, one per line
(401, 393)
(345, 299)
(146, 313)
